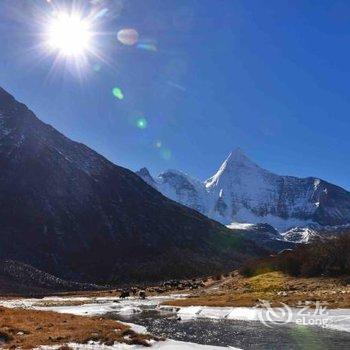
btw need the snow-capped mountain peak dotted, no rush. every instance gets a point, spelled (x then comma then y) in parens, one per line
(178, 186)
(242, 191)
(237, 156)
(236, 163)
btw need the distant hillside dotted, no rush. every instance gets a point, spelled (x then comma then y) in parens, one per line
(326, 257)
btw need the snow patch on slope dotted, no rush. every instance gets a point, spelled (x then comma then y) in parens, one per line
(301, 235)
(240, 226)
(280, 224)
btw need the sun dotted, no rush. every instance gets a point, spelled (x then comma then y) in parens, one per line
(69, 34)
(70, 37)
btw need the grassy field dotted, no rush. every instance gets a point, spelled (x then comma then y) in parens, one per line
(28, 329)
(275, 287)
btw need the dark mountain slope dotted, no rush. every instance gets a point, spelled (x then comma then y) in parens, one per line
(69, 211)
(21, 279)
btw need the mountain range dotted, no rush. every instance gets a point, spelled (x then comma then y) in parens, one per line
(243, 192)
(68, 211)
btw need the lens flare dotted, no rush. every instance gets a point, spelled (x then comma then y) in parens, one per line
(165, 153)
(118, 93)
(128, 36)
(142, 123)
(96, 67)
(148, 46)
(101, 13)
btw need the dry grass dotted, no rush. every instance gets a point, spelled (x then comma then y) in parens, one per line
(274, 287)
(28, 329)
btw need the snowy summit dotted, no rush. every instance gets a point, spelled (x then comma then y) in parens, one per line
(243, 192)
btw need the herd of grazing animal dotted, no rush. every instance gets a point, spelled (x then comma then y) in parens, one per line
(166, 286)
(126, 293)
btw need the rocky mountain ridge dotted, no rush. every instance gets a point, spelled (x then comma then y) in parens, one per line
(241, 191)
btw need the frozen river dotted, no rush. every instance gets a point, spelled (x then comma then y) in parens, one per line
(209, 327)
(237, 333)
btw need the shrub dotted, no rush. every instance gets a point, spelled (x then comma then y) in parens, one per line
(329, 257)
(257, 267)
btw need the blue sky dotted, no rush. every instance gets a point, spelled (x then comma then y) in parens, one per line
(271, 77)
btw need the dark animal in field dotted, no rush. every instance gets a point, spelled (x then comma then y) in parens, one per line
(124, 294)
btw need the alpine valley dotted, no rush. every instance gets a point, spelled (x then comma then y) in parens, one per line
(246, 197)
